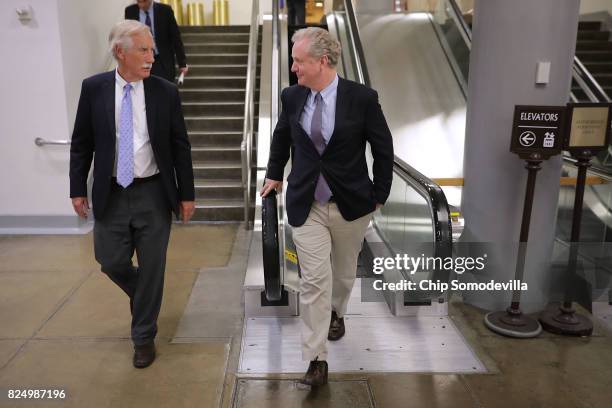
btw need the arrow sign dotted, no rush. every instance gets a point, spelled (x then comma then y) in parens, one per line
(527, 138)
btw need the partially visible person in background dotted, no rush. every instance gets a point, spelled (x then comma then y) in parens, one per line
(297, 12)
(168, 43)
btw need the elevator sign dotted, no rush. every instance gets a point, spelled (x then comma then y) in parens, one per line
(538, 132)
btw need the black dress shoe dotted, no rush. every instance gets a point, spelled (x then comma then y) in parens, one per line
(144, 355)
(336, 327)
(316, 374)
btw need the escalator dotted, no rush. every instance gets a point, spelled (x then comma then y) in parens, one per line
(416, 219)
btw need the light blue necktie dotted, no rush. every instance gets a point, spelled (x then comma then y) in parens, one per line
(125, 161)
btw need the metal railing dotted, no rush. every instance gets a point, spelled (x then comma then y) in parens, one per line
(246, 147)
(39, 141)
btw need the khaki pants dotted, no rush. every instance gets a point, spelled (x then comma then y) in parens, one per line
(325, 243)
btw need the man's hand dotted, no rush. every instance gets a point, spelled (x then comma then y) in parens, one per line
(187, 210)
(270, 185)
(184, 70)
(81, 206)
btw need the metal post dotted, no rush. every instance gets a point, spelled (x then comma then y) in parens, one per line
(512, 322)
(565, 320)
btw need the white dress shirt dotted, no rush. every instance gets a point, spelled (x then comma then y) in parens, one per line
(144, 160)
(328, 95)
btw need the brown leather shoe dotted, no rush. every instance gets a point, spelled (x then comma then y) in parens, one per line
(144, 355)
(316, 374)
(336, 327)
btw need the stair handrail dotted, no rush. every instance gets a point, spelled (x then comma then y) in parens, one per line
(246, 147)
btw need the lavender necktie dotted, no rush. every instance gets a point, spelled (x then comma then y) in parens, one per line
(322, 191)
(125, 161)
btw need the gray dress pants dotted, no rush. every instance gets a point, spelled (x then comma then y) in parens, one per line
(137, 218)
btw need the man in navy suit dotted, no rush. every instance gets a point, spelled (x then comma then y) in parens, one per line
(131, 125)
(326, 121)
(168, 44)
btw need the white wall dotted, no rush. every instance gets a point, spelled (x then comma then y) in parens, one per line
(45, 62)
(594, 6)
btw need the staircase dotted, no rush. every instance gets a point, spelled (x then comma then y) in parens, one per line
(213, 105)
(594, 49)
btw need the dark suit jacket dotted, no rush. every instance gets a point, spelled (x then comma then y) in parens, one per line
(167, 36)
(359, 119)
(94, 132)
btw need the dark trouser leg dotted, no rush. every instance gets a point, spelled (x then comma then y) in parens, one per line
(113, 243)
(300, 12)
(151, 221)
(160, 70)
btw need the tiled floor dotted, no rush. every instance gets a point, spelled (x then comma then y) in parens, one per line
(65, 325)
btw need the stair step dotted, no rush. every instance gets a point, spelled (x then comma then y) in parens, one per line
(589, 26)
(219, 189)
(231, 123)
(211, 95)
(593, 35)
(214, 108)
(599, 67)
(219, 48)
(226, 82)
(600, 56)
(211, 213)
(215, 38)
(604, 80)
(221, 70)
(215, 29)
(593, 45)
(216, 153)
(223, 138)
(217, 58)
(217, 170)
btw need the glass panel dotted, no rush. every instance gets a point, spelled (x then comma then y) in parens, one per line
(453, 35)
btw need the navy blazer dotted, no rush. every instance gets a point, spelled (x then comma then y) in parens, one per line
(167, 36)
(359, 119)
(94, 132)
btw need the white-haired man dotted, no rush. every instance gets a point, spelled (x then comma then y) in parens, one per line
(131, 124)
(327, 121)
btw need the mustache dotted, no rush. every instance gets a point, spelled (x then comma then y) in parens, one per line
(147, 65)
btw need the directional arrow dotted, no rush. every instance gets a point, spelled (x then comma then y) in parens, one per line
(527, 138)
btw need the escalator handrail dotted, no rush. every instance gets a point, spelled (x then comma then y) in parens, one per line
(591, 82)
(431, 191)
(356, 40)
(457, 15)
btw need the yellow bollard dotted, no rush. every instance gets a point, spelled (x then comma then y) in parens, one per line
(195, 14)
(177, 7)
(225, 12)
(216, 12)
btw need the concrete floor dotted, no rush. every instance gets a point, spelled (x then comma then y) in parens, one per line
(64, 325)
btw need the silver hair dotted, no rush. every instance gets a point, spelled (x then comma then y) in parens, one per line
(321, 43)
(122, 32)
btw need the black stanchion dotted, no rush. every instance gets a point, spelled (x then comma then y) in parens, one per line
(566, 320)
(512, 322)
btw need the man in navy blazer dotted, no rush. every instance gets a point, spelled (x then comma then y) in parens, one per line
(131, 125)
(326, 122)
(166, 34)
